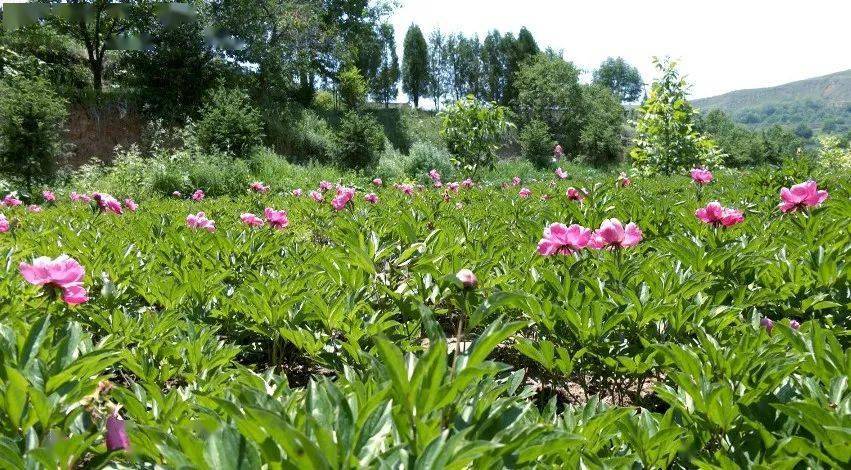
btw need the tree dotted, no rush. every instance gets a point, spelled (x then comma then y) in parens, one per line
(494, 60)
(804, 131)
(415, 65)
(473, 131)
(229, 123)
(548, 90)
(603, 119)
(465, 65)
(353, 88)
(384, 86)
(620, 77)
(666, 140)
(440, 70)
(31, 120)
(523, 49)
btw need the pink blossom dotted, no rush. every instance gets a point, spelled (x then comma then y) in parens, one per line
(75, 197)
(297, 192)
(717, 215)
(116, 437)
(434, 175)
(34, 208)
(515, 181)
(438, 184)
(794, 325)
(801, 196)
(467, 183)
(612, 234)
(11, 200)
(377, 182)
(561, 173)
(453, 187)
(131, 204)
(767, 323)
(276, 219)
(525, 192)
(200, 221)
(251, 220)
(177, 194)
(561, 239)
(198, 195)
(371, 198)
(343, 197)
(317, 196)
(48, 196)
(325, 186)
(624, 180)
(406, 189)
(4, 224)
(558, 152)
(107, 203)
(574, 194)
(62, 273)
(701, 176)
(259, 187)
(467, 278)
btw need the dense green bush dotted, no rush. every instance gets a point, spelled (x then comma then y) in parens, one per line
(353, 88)
(425, 157)
(229, 123)
(359, 142)
(31, 120)
(536, 143)
(600, 138)
(473, 131)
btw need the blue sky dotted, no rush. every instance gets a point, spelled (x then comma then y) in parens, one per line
(722, 45)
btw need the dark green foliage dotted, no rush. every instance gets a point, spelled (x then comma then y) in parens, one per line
(601, 136)
(473, 131)
(229, 123)
(353, 88)
(425, 157)
(359, 142)
(536, 143)
(622, 78)
(384, 85)
(415, 75)
(549, 91)
(32, 116)
(803, 131)
(745, 147)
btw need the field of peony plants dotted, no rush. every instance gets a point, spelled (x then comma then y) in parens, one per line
(688, 321)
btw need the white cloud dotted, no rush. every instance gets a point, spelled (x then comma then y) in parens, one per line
(722, 45)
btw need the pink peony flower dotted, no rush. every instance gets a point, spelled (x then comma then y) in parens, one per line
(4, 224)
(561, 173)
(717, 215)
(297, 192)
(525, 192)
(624, 180)
(343, 197)
(317, 196)
(434, 175)
(467, 278)
(407, 189)
(177, 194)
(377, 182)
(198, 195)
(61, 273)
(453, 187)
(612, 234)
(116, 437)
(701, 176)
(515, 181)
(325, 186)
(131, 204)
(794, 325)
(561, 239)
(467, 183)
(558, 152)
(34, 208)
(574, 194)
(107, 203)
(259, 187)
(276, 219)
(371, 198)
(48, 196)
(801, 196)
(251, 220)
(200, 221)
(11, 200)
(75, 197)
(767, 323)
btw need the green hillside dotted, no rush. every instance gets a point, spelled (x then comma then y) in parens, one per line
(820, 103)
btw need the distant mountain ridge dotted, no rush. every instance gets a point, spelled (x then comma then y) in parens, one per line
(821, 103)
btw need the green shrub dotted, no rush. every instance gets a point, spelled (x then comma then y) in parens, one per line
(314, 139)
(31, 120)
(600, 137)
(229, 124)
(392, 165)
(323, 100)
(352, 88)
(425, 157)
(536, 143)
(359, 142)
(473, 131)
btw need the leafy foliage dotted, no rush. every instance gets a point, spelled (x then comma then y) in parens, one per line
(473, 131)
(537, 144)
(622, 79)
(229, 123)
(359, 142)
